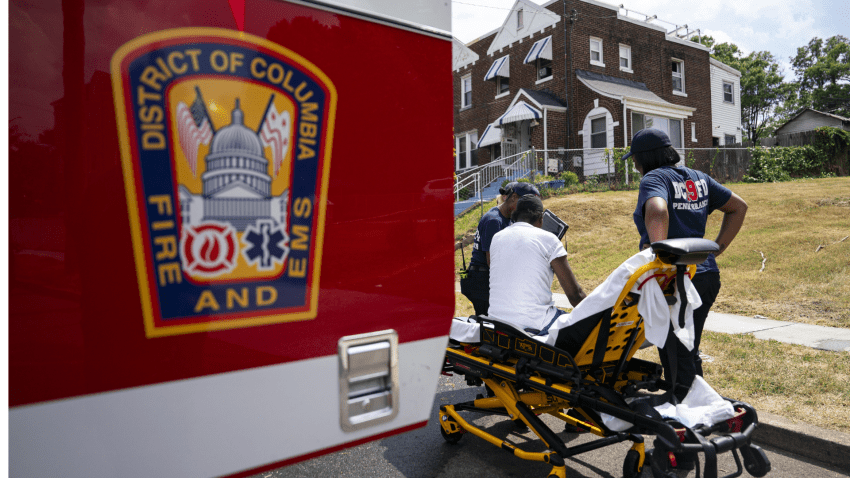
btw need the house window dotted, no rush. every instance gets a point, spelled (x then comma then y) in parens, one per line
(626, 58)
(678, 76)
(460, 161)
(544, 68)
(519, 19)
(502, 85)
(673, 127)
(466, 91)
(675, 132)
(596, 52)
(728, 95)
(598, 133)
(465, 150)
(729, 139)
(637, 123)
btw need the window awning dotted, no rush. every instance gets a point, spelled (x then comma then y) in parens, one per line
(519, 112)
(636, 96)
(492, 135)
(500, 67)
(541, 49)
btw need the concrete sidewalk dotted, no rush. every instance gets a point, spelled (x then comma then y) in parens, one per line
(814, 336)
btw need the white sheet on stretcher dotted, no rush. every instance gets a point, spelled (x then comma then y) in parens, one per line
(652, 307)
(702, 405)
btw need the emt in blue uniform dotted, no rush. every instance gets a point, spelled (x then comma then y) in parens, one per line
(476, 285)
(674, 202)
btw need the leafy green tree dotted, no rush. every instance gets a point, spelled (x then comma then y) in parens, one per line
(823, 73)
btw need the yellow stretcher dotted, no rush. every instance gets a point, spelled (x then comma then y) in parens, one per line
(526, 378)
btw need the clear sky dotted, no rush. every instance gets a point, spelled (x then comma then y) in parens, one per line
(779, 27)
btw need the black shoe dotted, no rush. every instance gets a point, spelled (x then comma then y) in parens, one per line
(570, 428)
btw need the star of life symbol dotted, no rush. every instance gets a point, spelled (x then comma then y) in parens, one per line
(265, 245)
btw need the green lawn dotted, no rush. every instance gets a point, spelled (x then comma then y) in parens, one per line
(785, 221)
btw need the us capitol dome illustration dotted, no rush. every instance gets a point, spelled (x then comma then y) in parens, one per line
(236, 184)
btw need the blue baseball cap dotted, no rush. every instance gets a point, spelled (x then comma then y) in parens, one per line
(520, 188)
(647, 140)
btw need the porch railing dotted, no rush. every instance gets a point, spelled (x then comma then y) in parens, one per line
(470, 183)
(514, 167)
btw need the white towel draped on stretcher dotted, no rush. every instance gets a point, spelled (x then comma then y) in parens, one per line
(652, 306)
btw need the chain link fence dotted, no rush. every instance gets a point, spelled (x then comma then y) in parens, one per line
(606, 165)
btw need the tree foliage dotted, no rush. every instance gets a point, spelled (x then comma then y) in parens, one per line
(823, 75)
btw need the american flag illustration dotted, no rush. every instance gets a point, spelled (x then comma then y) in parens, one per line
(274, 132)
(194, 129)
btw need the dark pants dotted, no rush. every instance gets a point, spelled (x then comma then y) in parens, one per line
(476, 288)
(688, 363)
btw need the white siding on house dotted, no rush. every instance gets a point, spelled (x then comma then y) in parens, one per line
(725, 117)
(462, 55)
(808, 121)
(534, 19)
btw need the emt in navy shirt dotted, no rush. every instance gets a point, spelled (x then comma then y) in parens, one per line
(674, 202)
(476, 285)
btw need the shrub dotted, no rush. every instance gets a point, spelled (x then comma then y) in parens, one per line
(569, 178)
(826, 156)
(783, 163)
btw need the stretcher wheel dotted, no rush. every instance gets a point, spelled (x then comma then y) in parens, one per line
(451, 437)
(631, 465)
(755, 461)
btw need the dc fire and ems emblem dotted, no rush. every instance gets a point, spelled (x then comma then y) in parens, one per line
(226, 143)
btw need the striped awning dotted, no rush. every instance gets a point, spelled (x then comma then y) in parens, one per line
(519, 112)
(492, 135)
(541, 49)
(499, 67)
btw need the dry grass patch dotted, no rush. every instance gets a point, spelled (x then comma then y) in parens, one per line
(786, 222)
(796, 382)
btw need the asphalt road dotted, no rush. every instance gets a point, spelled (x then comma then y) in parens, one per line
(423, 453)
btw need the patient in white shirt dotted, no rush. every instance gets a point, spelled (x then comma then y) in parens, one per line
(523, 261)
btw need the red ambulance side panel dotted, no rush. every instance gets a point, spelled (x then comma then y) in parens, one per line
(145, 309)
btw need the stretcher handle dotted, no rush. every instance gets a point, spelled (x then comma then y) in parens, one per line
(684, 251)
(721, 443)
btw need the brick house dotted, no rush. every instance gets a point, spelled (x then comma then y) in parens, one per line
(513, 90)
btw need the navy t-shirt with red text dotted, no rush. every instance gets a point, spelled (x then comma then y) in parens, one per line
(691, 196)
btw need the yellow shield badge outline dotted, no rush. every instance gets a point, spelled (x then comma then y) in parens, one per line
(221, 50)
